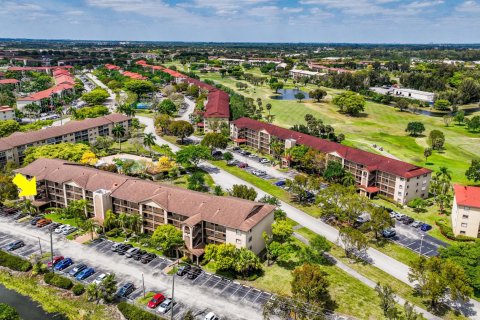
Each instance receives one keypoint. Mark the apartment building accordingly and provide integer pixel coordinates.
(466, 211)
(374, 174)
(203, 218)
(7, 113)
(299, 74)
(13, 146)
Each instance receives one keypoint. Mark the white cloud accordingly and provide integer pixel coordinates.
(469, 7)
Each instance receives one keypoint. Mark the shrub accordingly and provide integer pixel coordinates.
(8, 312)
(448, 232)
(78, 289)
(115, 232)
(14, 262)
(57, 280)
(131, 312)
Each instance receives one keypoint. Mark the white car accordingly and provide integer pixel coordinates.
(61, 228)
(252, 155)
(265, 161)
(68, 230)
(100, 278)
(165, 306)
(211, 316)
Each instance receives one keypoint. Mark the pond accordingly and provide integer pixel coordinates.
(433, 113)
(143, 105)
(26, 307)
(288, 94)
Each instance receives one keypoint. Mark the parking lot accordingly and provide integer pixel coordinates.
(205, 285)
(411, 238)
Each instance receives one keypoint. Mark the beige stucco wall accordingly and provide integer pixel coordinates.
(258, 244)
(465, 220)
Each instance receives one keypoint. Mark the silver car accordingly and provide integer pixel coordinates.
(165, 306)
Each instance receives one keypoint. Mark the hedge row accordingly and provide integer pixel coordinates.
(78, 289)
(448, 232)
(57, 280)
(14, 262)
(131, 312)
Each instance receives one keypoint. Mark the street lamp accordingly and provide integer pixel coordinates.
(173, 288)
(421, 244)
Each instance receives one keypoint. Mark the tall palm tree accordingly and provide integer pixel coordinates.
(123, 220)
(27, 207)
(130, 111)
(110, 220)
(268, 106)
(149, 141)
(90, 225)
(348, 179)
(119, 132)
(59, 112)
(444, 174)
(135, 223)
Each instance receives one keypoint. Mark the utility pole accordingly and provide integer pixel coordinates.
(51, 250)
(40, 245)
(143, 285)
(173, 292)
(421, 244)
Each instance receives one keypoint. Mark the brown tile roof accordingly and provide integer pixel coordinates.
(227, 211)
(370, 160)
(23, 138)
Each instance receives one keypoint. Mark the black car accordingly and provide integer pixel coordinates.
(123, 248)
(217, 154)
(53, 226)
(138, 255)
(184, 269)
(407, 220)
(125, 290)
(146, 258)
(35, 220)
(193, 273)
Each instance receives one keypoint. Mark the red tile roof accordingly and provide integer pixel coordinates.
(36, 68)
(9, 81)
(370, 160)
(467, 196)
(134, 75)
(47, 93)
(6, 109)
(112, 67)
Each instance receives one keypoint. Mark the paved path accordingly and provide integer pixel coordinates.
(378, 259)
(365, 280)
(191, 107)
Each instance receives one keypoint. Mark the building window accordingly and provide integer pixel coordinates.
(239, 241)
(467, 208)
(465, 216)
(250, 239)
(250, 247)
(462, 232)
(464, 225)
(399, 193)
(239, 232)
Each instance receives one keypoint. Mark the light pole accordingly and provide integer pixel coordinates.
(51, 250)
(40, 245)
(173, 289)
(421, 244)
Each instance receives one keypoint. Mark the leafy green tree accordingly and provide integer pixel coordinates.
(379, 220)
(140, 87)
(215, 140)
(218, 191)
(94, 292)
(188, 315)
(387, 301)
(89, 225)
(227, 156)
(442, 104)
(270, 200)
(8, 190)
(168, 238)
(459, 117)
(243, 192)
(473, 124)
(438, 279)
(427, 152)
(149, 142)
(181, 129)
(418, 204)
(402, 104)
(334, 171)
(162, 122)
(310, 285)
(119, 132)
(103, 142)
(167, 107)
(415, 128)
(409, 312)
(246, 262)
(350, 103)
(279, 214)
(7, 127)
(436, 139)
(229, 258)
(8, 312)
(108, 288)
(275, 86)
(281, 231)
(64, 151)
(318, 94)
(353, 240)
(196, 181)
(314, 253)
(473, 172)
(299, 96)
(193, 154)
(96, 96)
(447, 119)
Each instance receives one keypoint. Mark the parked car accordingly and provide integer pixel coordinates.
(43, 222)
(147, 258)
(35, 220)
(280, 183)
(264, 161)
(84, 274)
(232, 163)
(156, 300)
(183, 269)
(53, 226)
(399, 216)
(417, 224)
(407, 220)
(165, 306)
(61, 228)
(236, 148)
(123, 249)
(242, 165)
(193, 273)
(130, 252)
(65, 263)
(125, 290)
(217, 154)
(115, 246)
(55, 261)
(77, 269)
(425, 227)
(69, 230)
(15, 245)
(389, 233)
(259, 172)
(138, 255)
(99, 279)
(211, 316)
(252, 155)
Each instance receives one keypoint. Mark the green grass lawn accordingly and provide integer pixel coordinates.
(380, 124)
(55, 217)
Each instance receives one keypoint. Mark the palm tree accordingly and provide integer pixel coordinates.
(123, 220)
(130, 111)
(119, 132)
(444, 174)
(135, 222)
(110, 220)
(59, 112)
(268, 106)
(90, 225)
(149, 141)
(28, 207)
(348, 179)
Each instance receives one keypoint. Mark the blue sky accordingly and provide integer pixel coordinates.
(358, 21)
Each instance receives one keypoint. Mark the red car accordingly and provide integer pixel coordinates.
(156, 300)
(56, 260)
(242, 165)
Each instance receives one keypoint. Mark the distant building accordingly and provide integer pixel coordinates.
(144, 55)
(405, 93)
(12, 147)
(7, 113)
(373, 173)
(298, 74)
(466, 211)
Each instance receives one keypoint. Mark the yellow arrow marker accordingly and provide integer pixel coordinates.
(28, 187)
